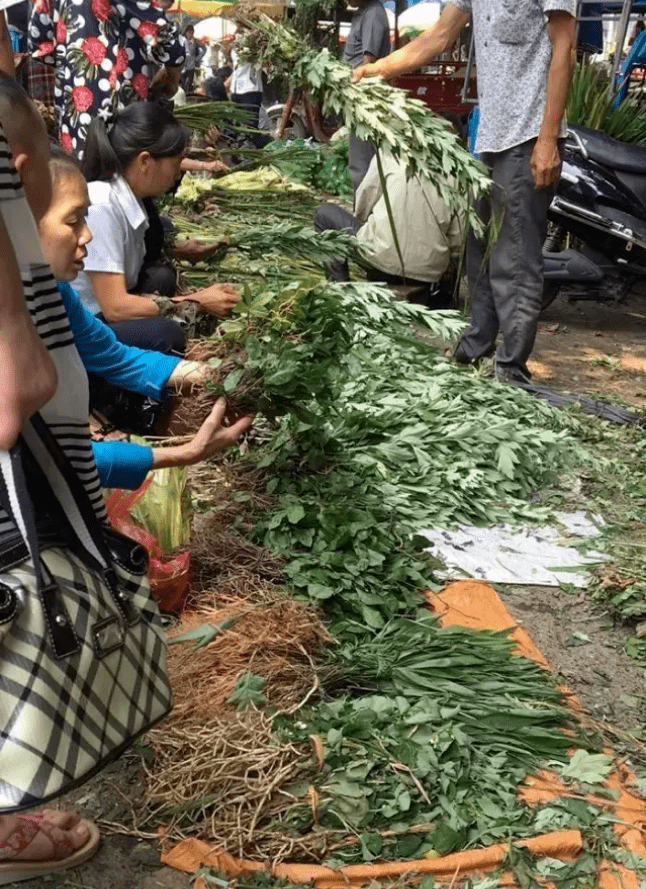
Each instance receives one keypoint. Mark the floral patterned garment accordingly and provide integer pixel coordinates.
(105, 53)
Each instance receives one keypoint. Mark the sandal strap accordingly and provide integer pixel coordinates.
(26, 830)
(20, 837)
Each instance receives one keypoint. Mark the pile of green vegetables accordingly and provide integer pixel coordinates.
(589, 105)
(369, 436)
(372, 436)
(326, 168)
(432, 730)
(377, 437)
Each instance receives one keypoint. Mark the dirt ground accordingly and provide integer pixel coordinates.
(584, 347)
(594, 348)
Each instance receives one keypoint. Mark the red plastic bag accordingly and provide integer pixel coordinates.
(170, 577)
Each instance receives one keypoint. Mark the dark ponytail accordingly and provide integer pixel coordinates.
(142, 126)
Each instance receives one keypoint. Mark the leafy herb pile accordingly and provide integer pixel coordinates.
(326, 168)
(201, 116)
(383, 438)
(370, 435)
(379, 437)
(285, 237)
(441, 744)
(590, 106)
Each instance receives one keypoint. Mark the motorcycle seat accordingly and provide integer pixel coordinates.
(611, 152)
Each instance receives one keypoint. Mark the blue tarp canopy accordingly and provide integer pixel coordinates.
(616, 6)
(590, 34)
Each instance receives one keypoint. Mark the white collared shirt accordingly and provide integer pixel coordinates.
(246, 78)
(118, 222)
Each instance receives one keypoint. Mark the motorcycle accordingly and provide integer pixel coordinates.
(596, 243)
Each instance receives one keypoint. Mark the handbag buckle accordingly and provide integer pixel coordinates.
(107, 636)
(60, 628)
(8, 603)
(122, 600)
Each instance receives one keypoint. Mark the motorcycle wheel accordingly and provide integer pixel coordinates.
(295, 128)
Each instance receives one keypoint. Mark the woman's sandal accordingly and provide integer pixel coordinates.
(27, 827)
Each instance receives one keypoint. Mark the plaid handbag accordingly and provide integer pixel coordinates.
(82, 650)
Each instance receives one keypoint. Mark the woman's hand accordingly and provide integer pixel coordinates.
(189, 374)
(192, 165)
(193, 250)
(211, 438)
(219, 299)
(216, 166)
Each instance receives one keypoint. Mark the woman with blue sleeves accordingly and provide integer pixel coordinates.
(64, 237)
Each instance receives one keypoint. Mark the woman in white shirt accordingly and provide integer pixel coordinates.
(128, 161)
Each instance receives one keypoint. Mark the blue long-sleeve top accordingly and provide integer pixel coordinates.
(121, 464)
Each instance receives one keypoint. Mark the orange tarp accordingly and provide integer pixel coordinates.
(476, 605)
(192, 854)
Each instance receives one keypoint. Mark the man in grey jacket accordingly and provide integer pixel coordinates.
(526, 54)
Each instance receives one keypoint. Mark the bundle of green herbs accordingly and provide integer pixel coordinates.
(325, 169)
(589, 105)
(372, 108)
(369, 436)
(424, 752)
(284, 237)
(201, 116)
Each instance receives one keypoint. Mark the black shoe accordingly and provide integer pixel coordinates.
(461, 356)
(514, 376)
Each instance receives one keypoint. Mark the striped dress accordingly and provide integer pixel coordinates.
(67, 413)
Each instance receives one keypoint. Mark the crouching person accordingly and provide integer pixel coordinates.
(428, 232)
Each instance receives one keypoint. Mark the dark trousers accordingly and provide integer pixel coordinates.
(187, 77)
(507, 286)
(332, 217)
(253, 101)
(360, 154)
(157, 277)
(157, 334)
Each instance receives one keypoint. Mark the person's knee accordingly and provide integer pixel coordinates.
(320, 218)
(331, 217)
(169, 336)
(158, 278)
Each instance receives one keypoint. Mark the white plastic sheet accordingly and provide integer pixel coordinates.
(507, 554)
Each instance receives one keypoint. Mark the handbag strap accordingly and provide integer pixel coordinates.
(77, 509)
(16, 501)
(67, 490)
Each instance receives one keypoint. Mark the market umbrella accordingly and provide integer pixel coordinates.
(420, 16)
(214, 28)
(208, 8)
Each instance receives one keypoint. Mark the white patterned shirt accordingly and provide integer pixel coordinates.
(513, 54)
